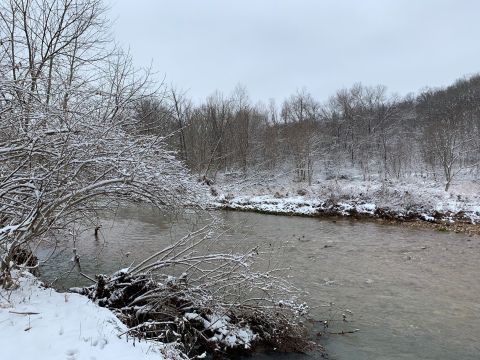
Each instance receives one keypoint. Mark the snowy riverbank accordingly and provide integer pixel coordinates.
(40, 323)
(399, 201)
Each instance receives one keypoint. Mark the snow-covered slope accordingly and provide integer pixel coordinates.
(39, 323)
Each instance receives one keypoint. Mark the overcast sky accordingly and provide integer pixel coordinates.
(274, 47)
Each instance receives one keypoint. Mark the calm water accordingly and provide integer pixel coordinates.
(414, 294)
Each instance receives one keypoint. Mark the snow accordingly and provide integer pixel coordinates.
(224, 331)
(427, 217)
(65, 326)
(366, 208)
(269, 203)
(298, 205)
(401, 198)
(9, 229)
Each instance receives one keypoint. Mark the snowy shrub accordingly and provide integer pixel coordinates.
(69, 136)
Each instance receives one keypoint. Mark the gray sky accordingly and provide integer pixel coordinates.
(274, 47)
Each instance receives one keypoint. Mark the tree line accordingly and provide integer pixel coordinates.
(434, 134)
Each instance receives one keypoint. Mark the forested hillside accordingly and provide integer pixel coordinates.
(362, 130)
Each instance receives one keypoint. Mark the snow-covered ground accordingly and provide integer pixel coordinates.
(414, 198)
(40, 323)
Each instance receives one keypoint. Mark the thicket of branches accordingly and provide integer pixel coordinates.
(69, 139)
(435, 134)
(207, 301)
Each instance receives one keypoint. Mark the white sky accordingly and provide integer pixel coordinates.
(274, 47)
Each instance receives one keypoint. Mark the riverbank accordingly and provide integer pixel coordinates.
(118, 318)
(413, 203)
(40, 323)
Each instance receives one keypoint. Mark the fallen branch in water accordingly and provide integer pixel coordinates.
(205, 302)
(343, 332)
(24, 312)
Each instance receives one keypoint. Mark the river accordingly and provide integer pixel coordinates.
(412, 293)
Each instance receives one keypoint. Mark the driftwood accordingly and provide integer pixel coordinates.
(344, 332)
(166, 312)
(24, 312)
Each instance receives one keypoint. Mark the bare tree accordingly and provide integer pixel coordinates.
(68, 138)
(181, 110)
(449, 132)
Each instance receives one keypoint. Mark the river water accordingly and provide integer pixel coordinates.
(412, 293)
